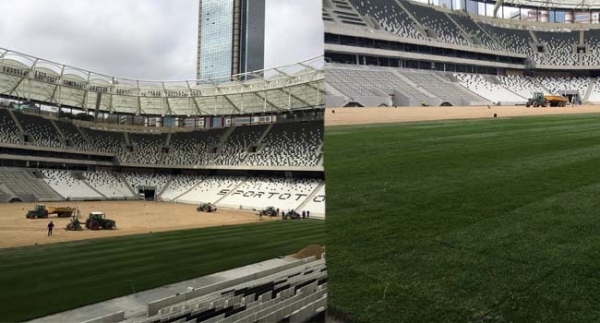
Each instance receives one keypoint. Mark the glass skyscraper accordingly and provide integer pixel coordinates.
(231, 37)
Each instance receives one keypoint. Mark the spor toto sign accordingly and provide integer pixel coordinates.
(272, 195)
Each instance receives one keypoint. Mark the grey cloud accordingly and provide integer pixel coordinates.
(149, 39)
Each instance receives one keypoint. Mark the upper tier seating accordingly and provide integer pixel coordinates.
(511, 40)
(147, 148)
(105, 141)
(472, 28)
(559, 48)
(220, 147)
(389, 15)
(41, 129)
(234, 149)
(70, 131)
(191, 148)
(8, 129)
(592, 39)
(445, 29)
(290, 144)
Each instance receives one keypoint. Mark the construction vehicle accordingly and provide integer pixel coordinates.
(292, 215)
(541, 100)
(74, 225)
(269, 211)
(206, 207)
(97, 220)
(37, 213)
(41, 211)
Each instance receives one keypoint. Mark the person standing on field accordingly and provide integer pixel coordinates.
(50, 227)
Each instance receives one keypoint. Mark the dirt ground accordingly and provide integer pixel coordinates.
(132, 217)
(349, 116)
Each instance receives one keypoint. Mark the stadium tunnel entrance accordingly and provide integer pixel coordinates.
(147, 193)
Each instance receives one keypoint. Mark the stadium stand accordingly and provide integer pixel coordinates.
(595, 94)
(390, 16)
(592, 39)
(105, 141)
(136, 180)
(72, 134)
(256, 192)
(296, 292)
(179, 185)
(9, 132)
(443, 27)
(108, 184)
(290, 144)
(147, 148)
(191, 148)
(472, 28)
(559, 48)
(41, 130)
(490, 88)
(221, 146)
(511, 40)
(70, 186)
(208, 189)
(523, 86)
(26, 186)
(234, 150)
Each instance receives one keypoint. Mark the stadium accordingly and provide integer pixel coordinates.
(405, 53)
(462, 184)
(175, 177)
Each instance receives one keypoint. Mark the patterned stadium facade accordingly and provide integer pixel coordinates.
(251, 144)
(406, 53)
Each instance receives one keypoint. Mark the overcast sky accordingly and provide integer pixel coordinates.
(146, 39)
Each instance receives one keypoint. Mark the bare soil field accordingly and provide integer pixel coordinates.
(132, 217)
(349, 116)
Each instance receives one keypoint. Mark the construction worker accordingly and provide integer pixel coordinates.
(50, 227)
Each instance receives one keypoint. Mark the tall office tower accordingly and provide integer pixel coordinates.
(231, 38)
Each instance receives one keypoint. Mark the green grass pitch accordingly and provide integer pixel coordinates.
(41, 280)
(465, 221)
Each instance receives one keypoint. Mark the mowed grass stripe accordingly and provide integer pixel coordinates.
(74, 274)
(111, 255)
(457, 225)
(30, 254)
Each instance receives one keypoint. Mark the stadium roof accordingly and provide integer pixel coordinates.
(283, 88)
